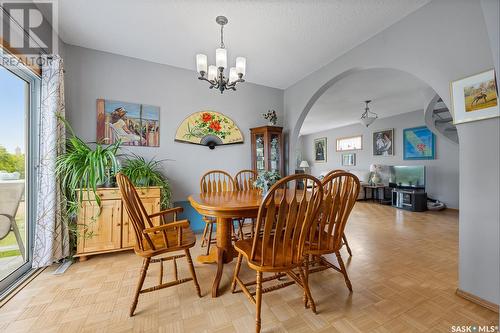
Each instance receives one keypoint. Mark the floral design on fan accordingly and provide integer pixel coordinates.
(209, 123)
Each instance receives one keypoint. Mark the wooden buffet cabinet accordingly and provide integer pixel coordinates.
(267, 149)
(110, 231)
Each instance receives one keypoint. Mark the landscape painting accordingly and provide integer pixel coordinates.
(480, 95)
(475, 98)
(419, 143)
(132, 123)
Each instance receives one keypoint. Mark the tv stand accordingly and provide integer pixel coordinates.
(414, 200)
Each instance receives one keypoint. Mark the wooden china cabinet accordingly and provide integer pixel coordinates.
(267, 149)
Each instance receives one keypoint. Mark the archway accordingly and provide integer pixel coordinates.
(294, 135)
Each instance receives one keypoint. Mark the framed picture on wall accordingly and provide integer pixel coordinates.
(383, 142)
(475, 98)
(348, 159)
(133, 124)
(419, 143)
(320, 150)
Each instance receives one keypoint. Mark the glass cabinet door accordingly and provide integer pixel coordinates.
(274, 158)
(260, 159)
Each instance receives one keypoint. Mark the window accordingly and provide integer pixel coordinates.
(350, 143)
(19, 97)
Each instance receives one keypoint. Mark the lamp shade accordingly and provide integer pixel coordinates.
(201, 63)
(367, 121)
(221, 58)
(304, 164)
(212, 72)
(241, 64)
(232, 75)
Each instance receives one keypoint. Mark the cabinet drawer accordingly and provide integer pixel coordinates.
(114, 193)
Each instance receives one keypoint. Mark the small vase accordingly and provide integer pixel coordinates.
(264, 190)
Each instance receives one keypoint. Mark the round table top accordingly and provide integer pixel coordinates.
(227, 204)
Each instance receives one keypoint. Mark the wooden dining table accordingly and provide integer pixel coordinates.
(224, 207)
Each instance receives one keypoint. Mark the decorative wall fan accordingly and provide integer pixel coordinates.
(208, 128)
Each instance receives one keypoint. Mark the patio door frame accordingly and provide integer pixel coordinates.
(31, 128)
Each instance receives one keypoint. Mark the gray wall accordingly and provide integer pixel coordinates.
(93, 74)
(441, 173)
(441, 42)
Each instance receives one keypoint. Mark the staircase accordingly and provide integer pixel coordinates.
(438, 118)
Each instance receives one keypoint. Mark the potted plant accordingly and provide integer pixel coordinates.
(271, 117)
(265, 180)
(144, 173)
(86, 167)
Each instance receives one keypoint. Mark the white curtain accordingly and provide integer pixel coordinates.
(51, 233)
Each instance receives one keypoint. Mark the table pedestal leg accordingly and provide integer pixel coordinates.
(223, 253)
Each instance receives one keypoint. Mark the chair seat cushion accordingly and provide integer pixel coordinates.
(188, 241)
(283, 260)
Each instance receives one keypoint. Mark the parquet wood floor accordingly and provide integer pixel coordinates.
(403, 271)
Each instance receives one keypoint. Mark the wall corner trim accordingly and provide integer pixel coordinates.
(478, 300)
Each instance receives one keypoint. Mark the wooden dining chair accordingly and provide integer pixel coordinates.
(214, 181)
(283, 222)
(153, 242)
(325, 235)
(244, 181)
(344, 238)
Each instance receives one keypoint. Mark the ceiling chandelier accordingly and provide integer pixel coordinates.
(368, 117)
(215, 75)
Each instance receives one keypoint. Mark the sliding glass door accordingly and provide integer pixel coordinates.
(19, 100)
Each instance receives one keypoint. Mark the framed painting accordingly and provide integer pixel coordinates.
(350, 143)
(383, 142)
(208, 128)
(349, 159)
(132, 123)
(419, 143)
(320, 150)
(475, 98)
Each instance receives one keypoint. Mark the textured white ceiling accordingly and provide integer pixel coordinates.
(283, 41)
(392, 92)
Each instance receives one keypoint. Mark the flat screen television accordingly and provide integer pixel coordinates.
(411, 176)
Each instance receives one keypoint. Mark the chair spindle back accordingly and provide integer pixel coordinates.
(341, 190)
(285, 216)
(137, 213)
(216, 181)
(244, 180)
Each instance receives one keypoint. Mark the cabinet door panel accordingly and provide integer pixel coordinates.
(100, 231)
(152, 205)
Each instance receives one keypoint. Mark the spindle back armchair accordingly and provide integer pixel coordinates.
(153, 241)
(283, 222)
(214, 181)
(244, 180)
(325, 236)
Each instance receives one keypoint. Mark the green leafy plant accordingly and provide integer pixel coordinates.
(146, 173)
(86, 168)
(266, 179)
